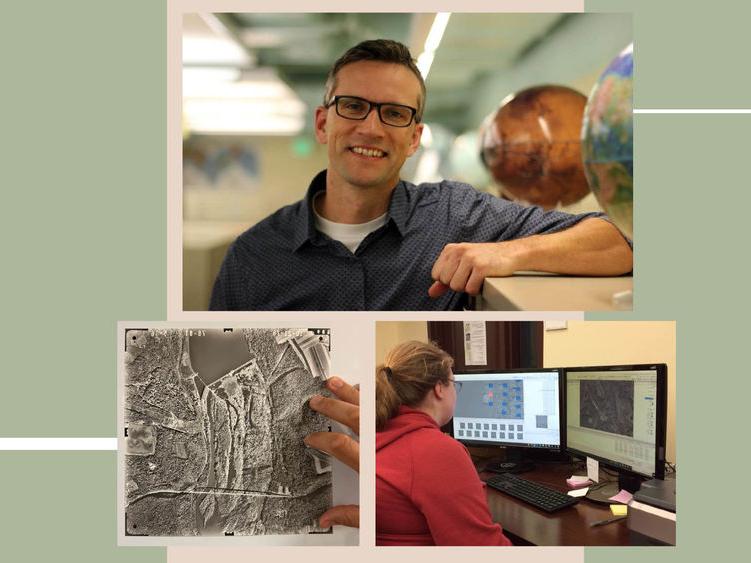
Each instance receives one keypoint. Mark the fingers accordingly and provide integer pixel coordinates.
(346, 413)
(455, 266)
(474, 284)
(446, 264)
(341, 446)
(464, 267)
(343, 390)
(344, 409)
(344, 515)
(437, 289)
(463, 272)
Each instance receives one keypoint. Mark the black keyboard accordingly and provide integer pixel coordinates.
(535, 494)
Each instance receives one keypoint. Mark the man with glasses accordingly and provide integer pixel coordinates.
(362, 239)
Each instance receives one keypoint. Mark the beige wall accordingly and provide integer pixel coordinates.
(283, 179)
(214, 216)
(389, 334)
(595, 343)
(582, 343)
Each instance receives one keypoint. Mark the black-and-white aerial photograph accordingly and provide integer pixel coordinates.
(214, 421)
(607, 406)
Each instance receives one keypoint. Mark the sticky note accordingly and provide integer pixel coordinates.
(576, 481)
(623, 497)
(593, 469)
(619, 509)
(578, 492)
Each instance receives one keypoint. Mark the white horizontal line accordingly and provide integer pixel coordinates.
(692, 110)
(58, 443)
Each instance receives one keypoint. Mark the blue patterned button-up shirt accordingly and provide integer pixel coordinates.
(284, 263)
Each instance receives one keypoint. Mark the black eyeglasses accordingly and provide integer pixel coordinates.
(352, 107)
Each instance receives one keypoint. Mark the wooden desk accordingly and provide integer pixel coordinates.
(526, 525)
(542, 292)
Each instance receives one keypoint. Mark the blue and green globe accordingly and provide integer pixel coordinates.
(608, 140)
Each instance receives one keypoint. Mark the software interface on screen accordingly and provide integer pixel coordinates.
(613, 415)
(508, 408)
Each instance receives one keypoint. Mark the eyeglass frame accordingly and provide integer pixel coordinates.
(457, 384)
(334, 102)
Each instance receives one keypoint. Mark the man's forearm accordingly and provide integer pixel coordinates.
(593, 247)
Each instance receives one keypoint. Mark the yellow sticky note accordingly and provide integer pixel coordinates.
(619, 509)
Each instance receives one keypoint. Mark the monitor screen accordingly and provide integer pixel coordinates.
(617, 415)
(509, 408)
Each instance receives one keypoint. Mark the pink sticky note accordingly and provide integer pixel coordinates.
(623, 497)
(576, 481)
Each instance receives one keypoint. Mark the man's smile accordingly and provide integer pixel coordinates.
(369, 152)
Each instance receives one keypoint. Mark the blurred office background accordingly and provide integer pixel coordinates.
(251, 83)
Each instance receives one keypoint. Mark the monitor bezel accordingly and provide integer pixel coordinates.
(499, 444)
(661, 423)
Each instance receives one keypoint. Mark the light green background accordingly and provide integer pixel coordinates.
(692, 198)
(83, 176)
(60, 507)
(83, 240)
(688, 54)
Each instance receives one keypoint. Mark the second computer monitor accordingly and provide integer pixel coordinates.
(618, 415)
(509, 408)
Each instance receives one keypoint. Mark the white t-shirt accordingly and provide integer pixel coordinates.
(349, 235)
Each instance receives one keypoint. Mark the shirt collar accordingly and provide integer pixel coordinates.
(305, 230)
(399, 207)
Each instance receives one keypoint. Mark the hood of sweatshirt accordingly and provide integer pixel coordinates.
(408, 420)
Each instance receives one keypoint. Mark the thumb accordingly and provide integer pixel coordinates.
(344, 515)
(437, 289)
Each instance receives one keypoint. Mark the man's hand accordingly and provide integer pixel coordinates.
(592, 247)
(345, 409)
(464, 266)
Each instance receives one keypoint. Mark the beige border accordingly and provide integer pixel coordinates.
(390, 554)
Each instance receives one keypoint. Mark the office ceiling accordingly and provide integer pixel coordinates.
(301, 48)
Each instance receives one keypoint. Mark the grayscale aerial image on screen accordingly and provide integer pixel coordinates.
(607, 406)
(214, 428)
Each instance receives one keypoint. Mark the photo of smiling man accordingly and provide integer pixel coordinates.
(364, 239)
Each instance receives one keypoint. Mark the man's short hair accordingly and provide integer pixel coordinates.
(382, 50)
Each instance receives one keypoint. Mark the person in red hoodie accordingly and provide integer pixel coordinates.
(427, 489)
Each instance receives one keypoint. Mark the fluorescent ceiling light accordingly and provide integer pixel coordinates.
(214, 51)
(273, 117)
(425, 60)
(436, 31)
(209, 74)
(212, 117)
(260, 103)
(244, 89)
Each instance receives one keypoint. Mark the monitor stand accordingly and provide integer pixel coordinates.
(513, 462)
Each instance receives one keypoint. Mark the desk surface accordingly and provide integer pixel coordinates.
(568, 526)
(540, 292)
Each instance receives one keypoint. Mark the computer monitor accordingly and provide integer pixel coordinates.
(618, 416)
(509, 408)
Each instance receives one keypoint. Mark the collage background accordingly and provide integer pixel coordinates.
(84, 241)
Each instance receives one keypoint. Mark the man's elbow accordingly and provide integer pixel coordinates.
(620, 256)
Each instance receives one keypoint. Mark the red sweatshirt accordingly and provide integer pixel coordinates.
(427, 489)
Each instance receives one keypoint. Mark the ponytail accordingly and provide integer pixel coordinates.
(409, 372)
